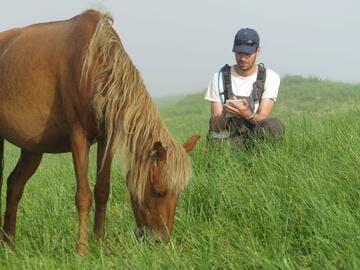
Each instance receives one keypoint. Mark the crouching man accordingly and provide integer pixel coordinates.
(242, 96)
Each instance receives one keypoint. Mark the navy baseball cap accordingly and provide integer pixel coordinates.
(246, 41)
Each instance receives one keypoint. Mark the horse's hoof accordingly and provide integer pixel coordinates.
(7, 241)
(8, 244)
(82, 249)
(107, 250)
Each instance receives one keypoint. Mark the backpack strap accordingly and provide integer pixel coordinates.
(259, 84)
(226, 79)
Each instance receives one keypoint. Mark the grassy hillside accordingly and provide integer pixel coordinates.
(298, 97)
(294, 205)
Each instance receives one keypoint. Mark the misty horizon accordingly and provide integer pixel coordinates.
(178, 46)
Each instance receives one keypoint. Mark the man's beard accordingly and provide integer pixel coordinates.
(245, 66)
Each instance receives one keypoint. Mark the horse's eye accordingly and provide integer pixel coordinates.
(159, 194)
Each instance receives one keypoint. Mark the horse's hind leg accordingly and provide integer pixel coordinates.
(101, 190)
(83, 198)
(1, 176)
(25, 168)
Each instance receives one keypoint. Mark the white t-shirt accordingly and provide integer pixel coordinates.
(243, 86)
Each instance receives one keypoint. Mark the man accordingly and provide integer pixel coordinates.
(243, 96)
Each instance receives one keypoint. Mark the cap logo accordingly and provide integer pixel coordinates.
(245, 42)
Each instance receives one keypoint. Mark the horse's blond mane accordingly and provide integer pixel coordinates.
(126, 113)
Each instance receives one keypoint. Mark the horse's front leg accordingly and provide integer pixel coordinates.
(83, 198)
(102, 187)
(25, 168)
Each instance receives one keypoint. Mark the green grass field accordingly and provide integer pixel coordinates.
(293, 205)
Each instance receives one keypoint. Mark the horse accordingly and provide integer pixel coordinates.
(66, 85)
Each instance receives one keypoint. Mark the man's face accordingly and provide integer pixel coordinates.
(246, 61)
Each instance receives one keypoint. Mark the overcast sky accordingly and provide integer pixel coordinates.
(177, 45)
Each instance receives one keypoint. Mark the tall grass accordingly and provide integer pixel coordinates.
(289, 205)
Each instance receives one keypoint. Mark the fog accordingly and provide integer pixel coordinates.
(177, 45)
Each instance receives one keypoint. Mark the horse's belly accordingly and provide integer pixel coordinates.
(37, 131)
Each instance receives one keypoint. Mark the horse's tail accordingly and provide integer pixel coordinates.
(1, 170)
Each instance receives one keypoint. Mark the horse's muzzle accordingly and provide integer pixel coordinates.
(139, 233)
(145, 232)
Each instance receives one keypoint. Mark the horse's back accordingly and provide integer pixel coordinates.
(40, 69)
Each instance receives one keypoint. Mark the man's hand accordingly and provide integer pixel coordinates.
(238, 107)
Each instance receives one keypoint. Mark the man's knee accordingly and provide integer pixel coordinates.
(272, 127)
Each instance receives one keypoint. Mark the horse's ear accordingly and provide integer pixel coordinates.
(158, 152)
(190, 143)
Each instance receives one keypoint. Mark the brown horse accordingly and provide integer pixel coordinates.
(68, 84)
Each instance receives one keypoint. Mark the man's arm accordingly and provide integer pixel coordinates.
(218, 121)
(266, 106)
